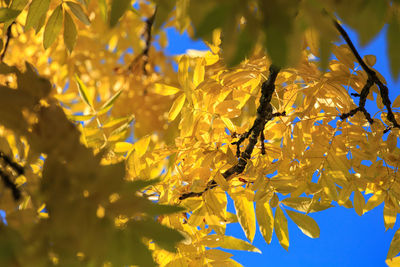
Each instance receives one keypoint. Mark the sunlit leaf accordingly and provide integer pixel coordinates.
(245, 211)
(83, 92)
(281, 228)
(306, 224)
(163, 89)
(176, 107)
(110, 101)
(141, 145)
(265, 219)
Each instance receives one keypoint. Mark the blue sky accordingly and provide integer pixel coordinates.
(346, 238)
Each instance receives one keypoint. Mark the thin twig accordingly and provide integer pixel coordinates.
(372, 79)
(148, 36)
(9, 36)
(6, 178)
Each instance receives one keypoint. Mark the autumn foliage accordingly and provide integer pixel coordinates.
(110, 155)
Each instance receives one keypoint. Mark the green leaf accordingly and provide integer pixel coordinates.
(110, 101)
(118, 8)
(306, 224)
(69, 32)
(164, 8)
(18, 4)
(83, 91)
(164, 237)
(244, 46)
(37, 10)
(214, 19)
(78, 12)
(53, 27)
(7, 14)
(157, 209)
(393, 43)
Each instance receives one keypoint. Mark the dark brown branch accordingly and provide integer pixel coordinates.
(6, 178)
(372, 79)
(264, 114)
(9, 184)
(19, 169)
(9, 36)
(148, 37)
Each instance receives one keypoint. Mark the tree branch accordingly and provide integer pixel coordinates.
(372, 79)
(6, 178)
(9, 36)
(264, 114)
(148, 36)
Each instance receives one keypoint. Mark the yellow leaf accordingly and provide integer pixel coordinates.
(163, 89)
(396, 102)
(216, 202)
(187, 124)
(394, 262)
(228, 242)
(244, 207)
(122, 147)
(220, 180)
(183, 70)
(228, 123)
(281, 228)
(306, 224)
(359, 202)
(389, 214)
(394, 248)
(329, 187)
(142, 145)
(176, 107)
(216, 254)
(345, 194)
(265, 219)
(228, 108)
(375, 201)
(198, 74)
(370, 60)
(84, 92)
(299, 203)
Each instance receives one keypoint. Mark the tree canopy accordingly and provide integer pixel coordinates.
(113, 153)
